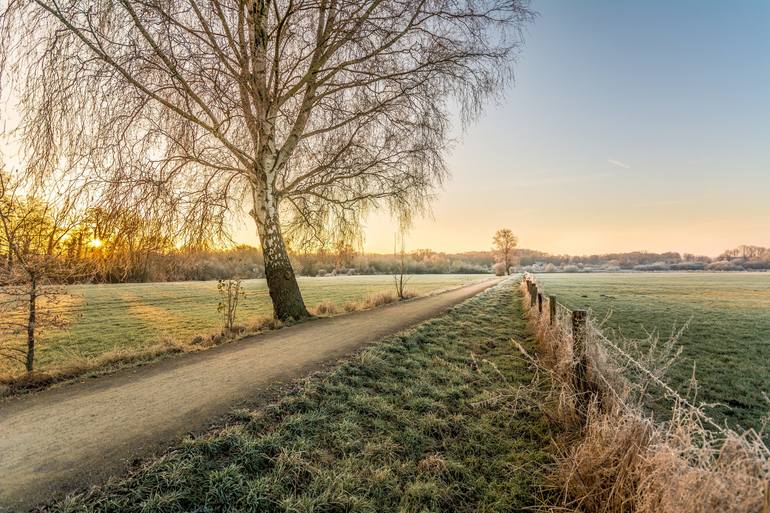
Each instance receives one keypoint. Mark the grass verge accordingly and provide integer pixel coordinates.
(411, 424)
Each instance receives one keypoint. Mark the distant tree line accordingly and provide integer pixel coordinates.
(742, 258)
(52, 236)
(42, 235)
(421, 261)
(94, 245)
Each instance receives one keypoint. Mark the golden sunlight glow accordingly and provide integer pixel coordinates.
(96, 243)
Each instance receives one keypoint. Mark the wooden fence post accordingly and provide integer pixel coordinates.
(551, 310)
(579, 335)
(533, 295)
(539, 303)
(766, 509)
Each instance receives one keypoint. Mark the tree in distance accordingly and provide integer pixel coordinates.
(504, 243)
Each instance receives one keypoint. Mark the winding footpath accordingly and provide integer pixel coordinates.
(77, 435)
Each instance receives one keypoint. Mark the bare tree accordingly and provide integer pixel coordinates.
(504, 243)
(400, 277)
(29, 304)
(306, 113)
(33, 277)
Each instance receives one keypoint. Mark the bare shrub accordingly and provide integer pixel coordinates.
(230, 294)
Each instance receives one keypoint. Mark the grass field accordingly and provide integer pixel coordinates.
(728, 338)
(126, 318)
(413, 424)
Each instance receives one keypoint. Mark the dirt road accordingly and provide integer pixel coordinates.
(67, 438)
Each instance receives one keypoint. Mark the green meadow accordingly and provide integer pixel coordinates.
(126, 318)
(727, 340)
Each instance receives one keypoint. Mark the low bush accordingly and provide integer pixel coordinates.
(724, 265)
(656, 266)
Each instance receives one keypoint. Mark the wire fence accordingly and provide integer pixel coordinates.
(572, 320)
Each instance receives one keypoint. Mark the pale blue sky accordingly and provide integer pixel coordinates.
(632, 125)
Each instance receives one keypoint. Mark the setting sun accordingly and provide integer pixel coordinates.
(96, 243)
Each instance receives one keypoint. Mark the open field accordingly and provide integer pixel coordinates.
(408, 425)
(728, 338)
(131, 318)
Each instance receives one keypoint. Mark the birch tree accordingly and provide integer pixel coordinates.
(304, 113)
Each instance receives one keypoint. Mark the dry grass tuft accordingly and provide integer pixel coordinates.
(433, 465)
(325, 309)
(265, 323)
(375, 300)
(619, 459)
(382, 298)
(80, 366)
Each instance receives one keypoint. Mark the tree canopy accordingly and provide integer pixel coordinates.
(305, 113)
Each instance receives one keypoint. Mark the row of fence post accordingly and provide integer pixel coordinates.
(579, 334)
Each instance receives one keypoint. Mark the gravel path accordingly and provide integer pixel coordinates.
(73, 436)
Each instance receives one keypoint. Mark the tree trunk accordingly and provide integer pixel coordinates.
(10, 258)
(31, 321)
(281, 281)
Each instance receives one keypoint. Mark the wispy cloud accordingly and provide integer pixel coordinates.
(618, 163)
